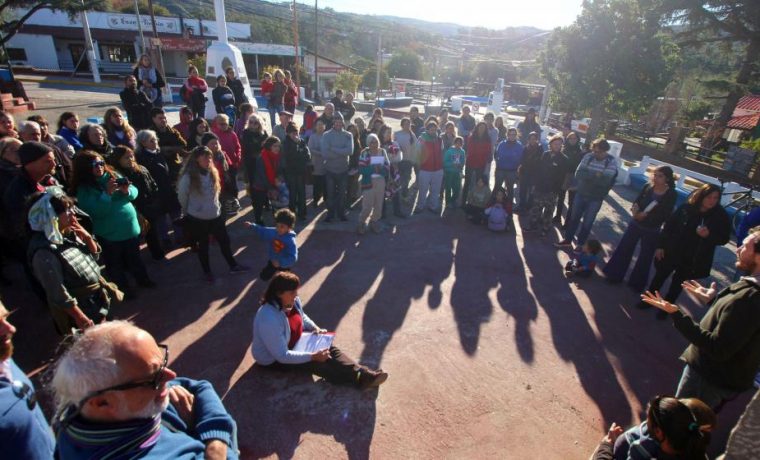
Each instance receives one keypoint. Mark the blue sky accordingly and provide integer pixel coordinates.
(494, 14)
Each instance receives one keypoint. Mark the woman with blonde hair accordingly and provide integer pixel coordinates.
(118, 130)
(198, 190)
(143, 71)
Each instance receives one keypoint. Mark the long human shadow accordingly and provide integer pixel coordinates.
(477, 263)
(402, 282)
(278, 408)
(573, 338)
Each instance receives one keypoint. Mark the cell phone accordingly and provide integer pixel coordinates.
(122, 181)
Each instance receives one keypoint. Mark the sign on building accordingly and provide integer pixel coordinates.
(129, 22)
(739, 160)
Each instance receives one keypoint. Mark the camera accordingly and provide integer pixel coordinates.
(122, 181)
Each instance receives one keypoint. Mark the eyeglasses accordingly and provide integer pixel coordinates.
(98, 163)
(154, 382)
(22, 390)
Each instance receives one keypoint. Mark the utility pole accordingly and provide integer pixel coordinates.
(139, 27)
(379, 64)
(160, 63)
(316, 51)
(90, 48)
(295, 41)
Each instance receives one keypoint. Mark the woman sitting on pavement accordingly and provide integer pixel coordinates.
(64, 258)
(280, 322)
(68, 127)
(650, 210)
(118, 129)
(107, 198)
(686, 247)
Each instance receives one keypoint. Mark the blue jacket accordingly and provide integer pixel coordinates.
(509, 155)
(271, 335)
(283, 248)
(177, 440)
(24, 432)
(71, 137)
(749, 222)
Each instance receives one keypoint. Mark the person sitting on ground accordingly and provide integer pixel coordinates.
(283, 250)
(117, 398)
(280, 322)
(136, 104)
(477, 200)
(198, 191)
(64, 258)
(95, 139)
(499, 212)
(671, 431)
(68, 128)
(118, 129)
(724, 352)
(24, 430)
(583, 264)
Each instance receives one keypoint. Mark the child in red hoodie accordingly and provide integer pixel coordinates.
(265, 176)
(230, 145)
(196, 88)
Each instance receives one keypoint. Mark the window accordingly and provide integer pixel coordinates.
(119, 53)
(16, 54)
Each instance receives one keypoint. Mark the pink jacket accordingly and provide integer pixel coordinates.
(229, 142)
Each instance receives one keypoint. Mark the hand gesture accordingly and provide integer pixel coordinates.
(659, 254)
(321, 355)
(112, 186)
(124, 188)
(319, 330)
(703, 231)
(699, 292)
(182, 400)
(78, 230)
(656, 300)
(613, 433)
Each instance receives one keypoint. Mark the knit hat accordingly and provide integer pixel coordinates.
(338, 117)
(208, 137)
(31, 151)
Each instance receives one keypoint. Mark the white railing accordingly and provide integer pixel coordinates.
(729, 188)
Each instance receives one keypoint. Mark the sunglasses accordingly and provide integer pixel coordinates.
(98, 163)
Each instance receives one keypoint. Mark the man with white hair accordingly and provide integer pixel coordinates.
(30, 131)
(118, 399)
(24, 430)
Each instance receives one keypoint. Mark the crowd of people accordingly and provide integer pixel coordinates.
(77, 203)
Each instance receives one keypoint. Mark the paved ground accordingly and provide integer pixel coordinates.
(492, 353)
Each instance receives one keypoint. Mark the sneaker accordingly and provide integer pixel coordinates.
(239, 268)
(563, 244)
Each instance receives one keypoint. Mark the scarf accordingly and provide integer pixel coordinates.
(112, 441)
(43, 218)
(147, 74)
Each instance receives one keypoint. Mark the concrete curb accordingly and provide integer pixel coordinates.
(55, 81)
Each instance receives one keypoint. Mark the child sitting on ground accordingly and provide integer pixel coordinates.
(477, 200)
(283, 252)
(499, 212)
(279, 198)
(583, 264)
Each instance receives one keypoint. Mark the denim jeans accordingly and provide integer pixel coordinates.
(336, 193)
(509, 179)
(693, 385)
(586, 209)
(273, 114)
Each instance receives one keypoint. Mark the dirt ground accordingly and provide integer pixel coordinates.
(492, 352)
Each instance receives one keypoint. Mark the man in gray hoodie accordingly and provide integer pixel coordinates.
(337, 146)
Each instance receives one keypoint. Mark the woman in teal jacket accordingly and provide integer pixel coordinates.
(107, 198)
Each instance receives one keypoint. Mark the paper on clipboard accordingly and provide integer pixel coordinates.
(379, 160)
(311, 342)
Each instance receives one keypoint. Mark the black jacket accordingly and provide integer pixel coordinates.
(156, 165)
(251, 150)
(725, 345)
(687, 250)
(137, 106)
(552, 173)
(295, 157)
(148, 202)
(238, 90)
(660, 213)
(15, 205)
(223, 97)
(531, 161)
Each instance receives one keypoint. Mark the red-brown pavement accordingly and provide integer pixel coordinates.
(492, 352)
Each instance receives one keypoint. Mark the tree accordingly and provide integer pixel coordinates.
(24, 9)
(722, 21)
(369, 78)
(347, 81)
(614, 57)
(405, 64)
(158, 10)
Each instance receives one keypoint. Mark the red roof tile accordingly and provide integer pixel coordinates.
(744, 122)
(749, 102)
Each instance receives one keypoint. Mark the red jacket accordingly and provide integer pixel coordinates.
(431, 155)
(479, 152)
(266, 88)
(291, 94)
(271, 165)
(230, 143)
